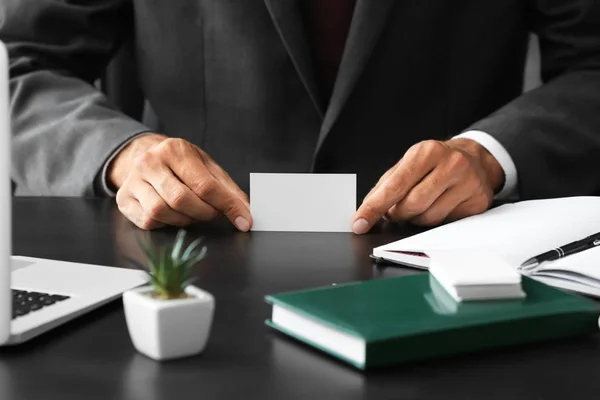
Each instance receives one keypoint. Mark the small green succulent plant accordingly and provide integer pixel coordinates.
(170, 267)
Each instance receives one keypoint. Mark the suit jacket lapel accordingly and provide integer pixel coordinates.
(367, 23)
(287, 17)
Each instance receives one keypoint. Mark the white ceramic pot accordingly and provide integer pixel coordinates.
(166, 329)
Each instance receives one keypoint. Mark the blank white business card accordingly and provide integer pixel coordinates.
(302, 202)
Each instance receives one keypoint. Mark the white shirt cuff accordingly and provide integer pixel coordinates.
(103, 178)
(509, 190)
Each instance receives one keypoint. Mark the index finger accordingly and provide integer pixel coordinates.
(413, 167)
(194, 174)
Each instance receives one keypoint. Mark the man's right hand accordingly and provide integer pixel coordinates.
(165, 181)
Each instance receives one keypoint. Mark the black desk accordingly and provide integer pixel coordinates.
(93, 358)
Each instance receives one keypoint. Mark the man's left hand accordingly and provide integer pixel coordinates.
(433, 183)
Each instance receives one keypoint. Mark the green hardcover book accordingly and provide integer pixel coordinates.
(389, 321)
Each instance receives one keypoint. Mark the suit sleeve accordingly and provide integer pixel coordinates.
(553, 133)
(64, 129)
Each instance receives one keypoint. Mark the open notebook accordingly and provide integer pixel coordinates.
(517, 232)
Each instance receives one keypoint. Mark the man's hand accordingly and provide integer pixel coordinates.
(434, 182)
(164, 181)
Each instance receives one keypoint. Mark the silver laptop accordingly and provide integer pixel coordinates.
(35, 294)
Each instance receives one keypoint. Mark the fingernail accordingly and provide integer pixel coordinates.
(360, 226)
(242, 224)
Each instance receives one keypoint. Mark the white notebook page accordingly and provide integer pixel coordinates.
(516, 231)
(583, 266)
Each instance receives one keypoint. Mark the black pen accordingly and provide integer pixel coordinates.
(563, 251)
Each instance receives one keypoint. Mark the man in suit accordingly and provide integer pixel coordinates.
(422, 99)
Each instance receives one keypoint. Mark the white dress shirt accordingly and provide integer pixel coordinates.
(509, 190)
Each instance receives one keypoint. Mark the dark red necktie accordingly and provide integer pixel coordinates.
(327, 24)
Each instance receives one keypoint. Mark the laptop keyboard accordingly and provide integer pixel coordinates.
(25, 302)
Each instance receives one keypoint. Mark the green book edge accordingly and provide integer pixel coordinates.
(274, 301)
(302, 339)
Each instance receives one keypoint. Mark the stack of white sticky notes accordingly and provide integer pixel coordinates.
(474, 274)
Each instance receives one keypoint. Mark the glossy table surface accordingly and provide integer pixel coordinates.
(93, 358)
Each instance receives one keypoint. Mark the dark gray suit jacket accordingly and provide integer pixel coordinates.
(235, 77)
